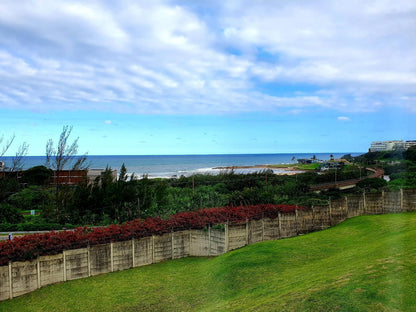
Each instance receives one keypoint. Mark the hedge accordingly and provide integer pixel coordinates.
(31, 246)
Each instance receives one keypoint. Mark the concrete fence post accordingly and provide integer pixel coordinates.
(296, 222)
(364, 204)
(190, 243)
(64, 264)
(89, 260)
(171, 241)
(10, 280)
(347, 210)
(226, 237)
(247, 232)
(383, 209)
(330, 212)
(209, 240)
(132, 251)
(401, 200)
(38, 269)
(153, 249)
(112, 257)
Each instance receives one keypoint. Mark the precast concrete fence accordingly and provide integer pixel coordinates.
(18, 278)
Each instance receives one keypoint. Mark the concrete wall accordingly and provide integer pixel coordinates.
(76, 263)
(181, 244)
(5, 289)
(51, 269)
(143, 251)
(19, 278)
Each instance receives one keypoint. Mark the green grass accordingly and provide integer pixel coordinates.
(364, 264)
(313, 166)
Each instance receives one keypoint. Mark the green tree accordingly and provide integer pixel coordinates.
(9, 214)
(38, 175)
(58, 158)
(410, 153)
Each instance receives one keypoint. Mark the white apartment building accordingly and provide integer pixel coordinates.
(381, 146)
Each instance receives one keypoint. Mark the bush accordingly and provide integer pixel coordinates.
(10, 214)
(31, 246)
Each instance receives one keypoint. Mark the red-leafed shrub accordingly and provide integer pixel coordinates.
(31, 246)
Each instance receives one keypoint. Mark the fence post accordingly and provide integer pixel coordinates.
(280, 224)
(38, 270)
(347, 210)
(296, 221)
(89, 260)
(112, 257)
(226, 237)
(64, 264)
(330, 212)
(132, 250)
(190, 243)
(153, 249)
(10, 280)
(209, 240)
(383, 209)
(171, 240)
(364, 204)
(262, 228)
(401, 200)
(246, 231)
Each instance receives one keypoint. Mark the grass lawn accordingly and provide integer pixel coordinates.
(364, 264)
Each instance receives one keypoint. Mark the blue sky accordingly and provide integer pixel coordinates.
(193, 77)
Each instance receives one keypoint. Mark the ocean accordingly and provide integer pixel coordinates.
(167, 166)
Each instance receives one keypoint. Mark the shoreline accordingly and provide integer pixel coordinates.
(285, 169)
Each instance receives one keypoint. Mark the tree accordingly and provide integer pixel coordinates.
(411, 153)
(64, 154)
(123, 173)
(38, 175)
(17, 161)
(6, 145)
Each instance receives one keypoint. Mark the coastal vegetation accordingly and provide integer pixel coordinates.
(36, 199)
(364, 264)
(113, 201)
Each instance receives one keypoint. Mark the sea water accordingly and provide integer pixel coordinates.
(166, 166)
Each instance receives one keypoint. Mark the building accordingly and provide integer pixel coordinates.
(382, 146)
(75, 177)
(2, 165)
(409, 143)
(68, 177)
(93, 174)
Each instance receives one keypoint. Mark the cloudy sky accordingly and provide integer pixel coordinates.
(208, 77)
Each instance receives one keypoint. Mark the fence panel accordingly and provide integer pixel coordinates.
(4, 283)
(409, 200)
(100, 259)
(122, 255)
(51, 269)
(237, 236)
(181, 244)
(271, 229)
(24, 277)
(76, 263)
(143, 251)
(162, 247)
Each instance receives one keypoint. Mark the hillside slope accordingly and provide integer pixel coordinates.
(364, 264)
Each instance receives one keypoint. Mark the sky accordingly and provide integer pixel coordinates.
(207, 77)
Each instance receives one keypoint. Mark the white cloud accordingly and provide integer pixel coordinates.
(108, 122)
(182, 57)
(343, 118)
